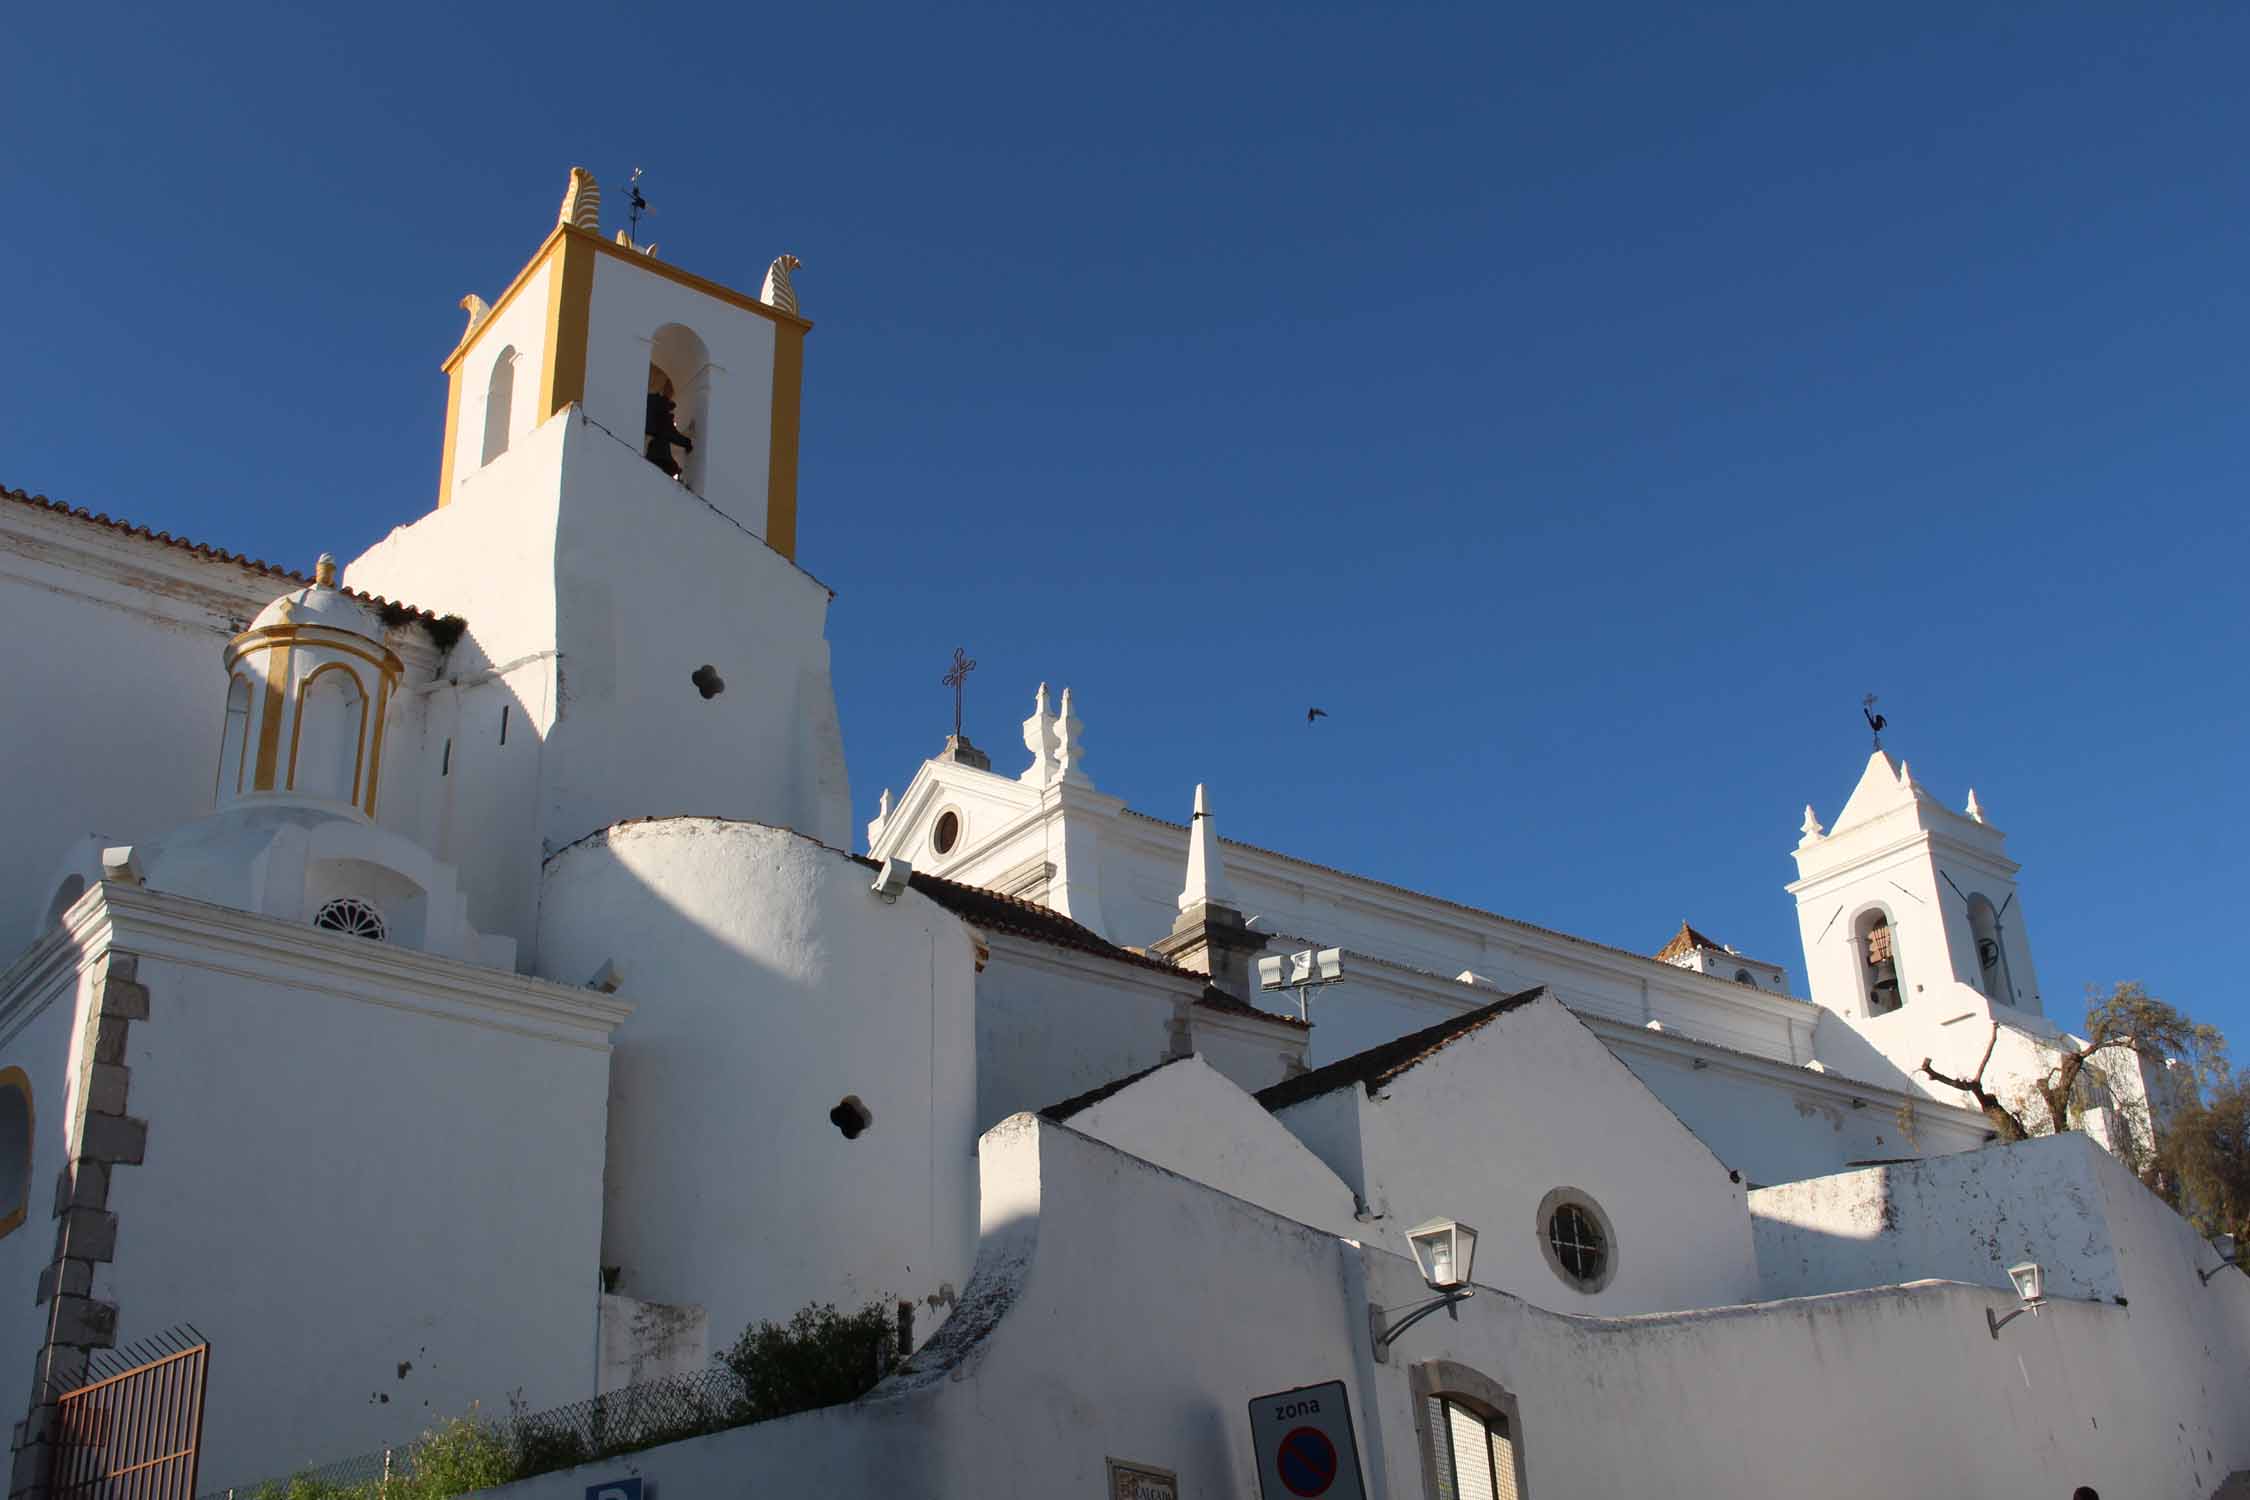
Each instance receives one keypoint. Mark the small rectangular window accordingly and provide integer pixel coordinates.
(503, 723)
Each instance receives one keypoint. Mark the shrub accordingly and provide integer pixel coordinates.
(822, 1358)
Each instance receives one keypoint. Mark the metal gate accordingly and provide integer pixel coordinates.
(135, 1434)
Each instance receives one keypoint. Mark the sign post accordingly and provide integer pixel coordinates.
(1306, 1447)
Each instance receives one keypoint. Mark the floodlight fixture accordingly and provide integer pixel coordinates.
(892, 878)
(1304, 971)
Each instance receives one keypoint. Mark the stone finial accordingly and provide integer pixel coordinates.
(1039, 739)
(626, 240)
(324, 571)
(1070, 746)
(883, 805)
(582, 202)
(1975, 809)
(1206, 869)
(1811, 827)
(779, 292)
(1905, 774)
(478, 310)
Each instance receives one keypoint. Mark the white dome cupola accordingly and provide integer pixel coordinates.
(308, 691)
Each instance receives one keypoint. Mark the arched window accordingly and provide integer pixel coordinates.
(1742, 976)
(331, 716)
(679, 404)
(234, 737)
(1875, 945)
(1470, 1438)
(15, 1148)
(499, 404)
(1991, 950)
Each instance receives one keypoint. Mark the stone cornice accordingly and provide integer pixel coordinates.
(173, 929)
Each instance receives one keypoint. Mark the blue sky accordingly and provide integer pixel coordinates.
(1585, 405)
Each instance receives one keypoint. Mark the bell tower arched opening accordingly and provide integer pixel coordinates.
(1875, 941)
(331, 724)
(499, 404)
(679, 404)
(1990, 948)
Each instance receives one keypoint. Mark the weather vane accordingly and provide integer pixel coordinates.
(957, 678)
(636, 205)
(1875, 721)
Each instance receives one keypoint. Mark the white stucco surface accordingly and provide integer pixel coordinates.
(1053, 1023)
(474, 1103)
(769, 983)
(1965, 1218)
(1188, 1118)
(1027, 1390)
(1484, 1129)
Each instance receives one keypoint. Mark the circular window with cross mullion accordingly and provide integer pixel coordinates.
(1577, 1240)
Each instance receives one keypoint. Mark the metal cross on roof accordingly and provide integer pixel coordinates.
(957, 678)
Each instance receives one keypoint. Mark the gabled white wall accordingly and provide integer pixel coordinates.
(1187, 1118)
(1487, 1127)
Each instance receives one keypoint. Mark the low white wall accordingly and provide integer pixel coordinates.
(1966, 1217)
(1204, 1302)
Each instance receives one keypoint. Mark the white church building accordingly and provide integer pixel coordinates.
(448, 979)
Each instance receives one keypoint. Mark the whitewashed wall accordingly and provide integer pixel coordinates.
(630, 303)
(1207, 1302)
(521, 326)
(372, 1180)
(1965, 1218)
(43, 999)
(1053, 1023)
(769, 983)
(1487, 1127)
(1188, 1118)
(595, 588)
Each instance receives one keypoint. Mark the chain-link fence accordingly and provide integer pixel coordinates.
(623, 1421)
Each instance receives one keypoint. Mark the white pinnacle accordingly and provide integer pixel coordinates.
(1039, 739)
(1975, 810)
(1206, 869)
(1811, 827)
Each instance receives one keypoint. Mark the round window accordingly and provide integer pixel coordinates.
(352, 917)
(1576, 1237)
(947, 833)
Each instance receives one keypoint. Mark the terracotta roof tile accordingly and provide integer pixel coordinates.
(393, 612)
(1379, 1065)
(1020, 918)
(1214, 998)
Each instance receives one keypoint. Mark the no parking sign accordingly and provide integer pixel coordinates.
(1306, 1450)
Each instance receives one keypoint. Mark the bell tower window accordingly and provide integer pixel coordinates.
(675, 433)
(499, 403)
(1877, 942)
(331, 718)
(1991, 950)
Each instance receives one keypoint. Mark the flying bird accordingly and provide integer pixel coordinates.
(1315, 713)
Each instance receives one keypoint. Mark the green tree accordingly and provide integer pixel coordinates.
(2202, 1159)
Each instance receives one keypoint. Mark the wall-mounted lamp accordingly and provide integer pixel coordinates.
(2031, 1286)
(2228, 1256)
(1445, 1249)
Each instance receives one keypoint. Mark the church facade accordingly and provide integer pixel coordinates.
(429, 975)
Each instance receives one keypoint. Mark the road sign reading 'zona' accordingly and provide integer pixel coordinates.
(1306, 1450)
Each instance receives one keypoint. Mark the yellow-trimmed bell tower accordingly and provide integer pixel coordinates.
(704, 380)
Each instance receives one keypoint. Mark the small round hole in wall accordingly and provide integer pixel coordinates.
(707, 681)
(946, 833)
(850, 1117)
